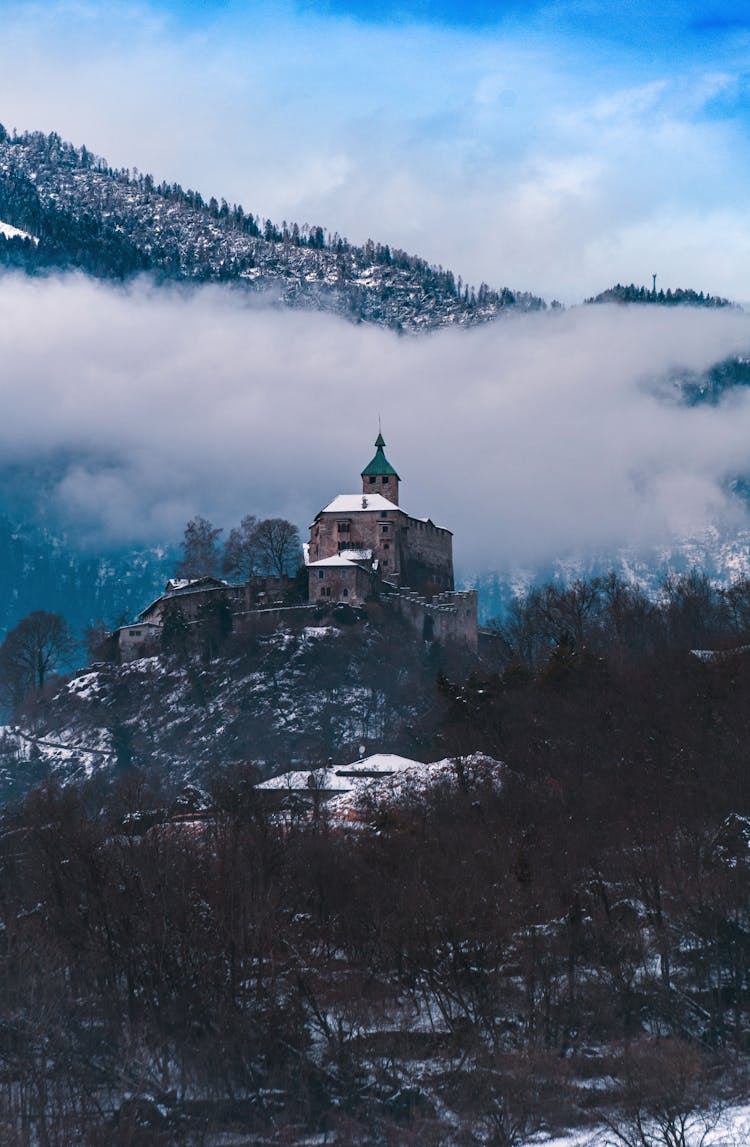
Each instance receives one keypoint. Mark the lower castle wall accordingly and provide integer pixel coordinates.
(450, 618)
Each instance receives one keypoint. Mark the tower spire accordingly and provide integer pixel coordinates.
(379, 477)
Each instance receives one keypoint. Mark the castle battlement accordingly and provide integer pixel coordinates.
(450, 617)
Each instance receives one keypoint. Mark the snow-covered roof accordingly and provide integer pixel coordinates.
(381, 763)
(342, 778)
(345, 558)
(359, 503)
(322, 780)
(409, 779)
(355, 503)
(177, 584)
(356, 555)
(383, 778)
(336, 560)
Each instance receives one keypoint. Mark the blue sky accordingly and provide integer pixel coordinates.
(553, 147)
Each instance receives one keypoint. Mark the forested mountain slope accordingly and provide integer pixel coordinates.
(80, 213)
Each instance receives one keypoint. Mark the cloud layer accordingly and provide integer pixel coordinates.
(530, 437)
(556, 152)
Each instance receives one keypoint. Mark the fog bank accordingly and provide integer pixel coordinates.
(529, 437)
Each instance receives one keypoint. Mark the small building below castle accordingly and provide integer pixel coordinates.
(364, 543)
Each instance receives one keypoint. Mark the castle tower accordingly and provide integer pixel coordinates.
(379, 477)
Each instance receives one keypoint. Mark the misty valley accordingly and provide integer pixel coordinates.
(346, 813)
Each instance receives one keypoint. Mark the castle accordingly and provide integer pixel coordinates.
(362, 544)
(363, 547)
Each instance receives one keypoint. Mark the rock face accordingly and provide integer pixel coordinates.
(80, 213)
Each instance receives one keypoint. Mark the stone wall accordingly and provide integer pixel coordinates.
(426, 556)
(138, 640)
(450, 618)
(341, 583)
(385, 484)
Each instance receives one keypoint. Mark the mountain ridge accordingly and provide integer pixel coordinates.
(113, 223)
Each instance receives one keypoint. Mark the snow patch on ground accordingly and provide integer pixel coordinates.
(732, 1129)
(15, 233)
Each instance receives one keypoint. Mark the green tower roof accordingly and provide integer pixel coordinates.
(379, 464)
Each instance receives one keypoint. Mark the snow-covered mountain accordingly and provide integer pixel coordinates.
(74, 211)
(724, 557)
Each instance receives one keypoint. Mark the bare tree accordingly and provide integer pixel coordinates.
(665, 1097)
(200, 552)
(278, 546)
(31, 651)
(240, 552)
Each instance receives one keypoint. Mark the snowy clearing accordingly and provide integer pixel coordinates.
(15, 233)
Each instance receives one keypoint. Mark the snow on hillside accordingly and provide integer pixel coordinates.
(727, 1128)
(138, 226)
(15, 232)
(408, 780)
(723, 556)
(280, 700)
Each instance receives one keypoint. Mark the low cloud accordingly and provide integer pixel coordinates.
(530, 437)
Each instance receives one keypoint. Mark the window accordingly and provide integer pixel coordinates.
(321, 574)
(386, 545)
(385, 481)
(384, 527)
(345, 592)
(372, 479)
(343, 527)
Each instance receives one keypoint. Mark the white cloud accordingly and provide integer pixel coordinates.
(526, 437)
(511, 156)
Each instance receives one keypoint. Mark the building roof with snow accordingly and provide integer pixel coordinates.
(357, 503)
(339, 779)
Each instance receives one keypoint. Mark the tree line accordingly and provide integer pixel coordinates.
(258, 546)
(681, 296)
(564, 938)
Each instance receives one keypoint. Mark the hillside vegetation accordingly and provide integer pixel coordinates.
(81, 213)
(560, 941)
